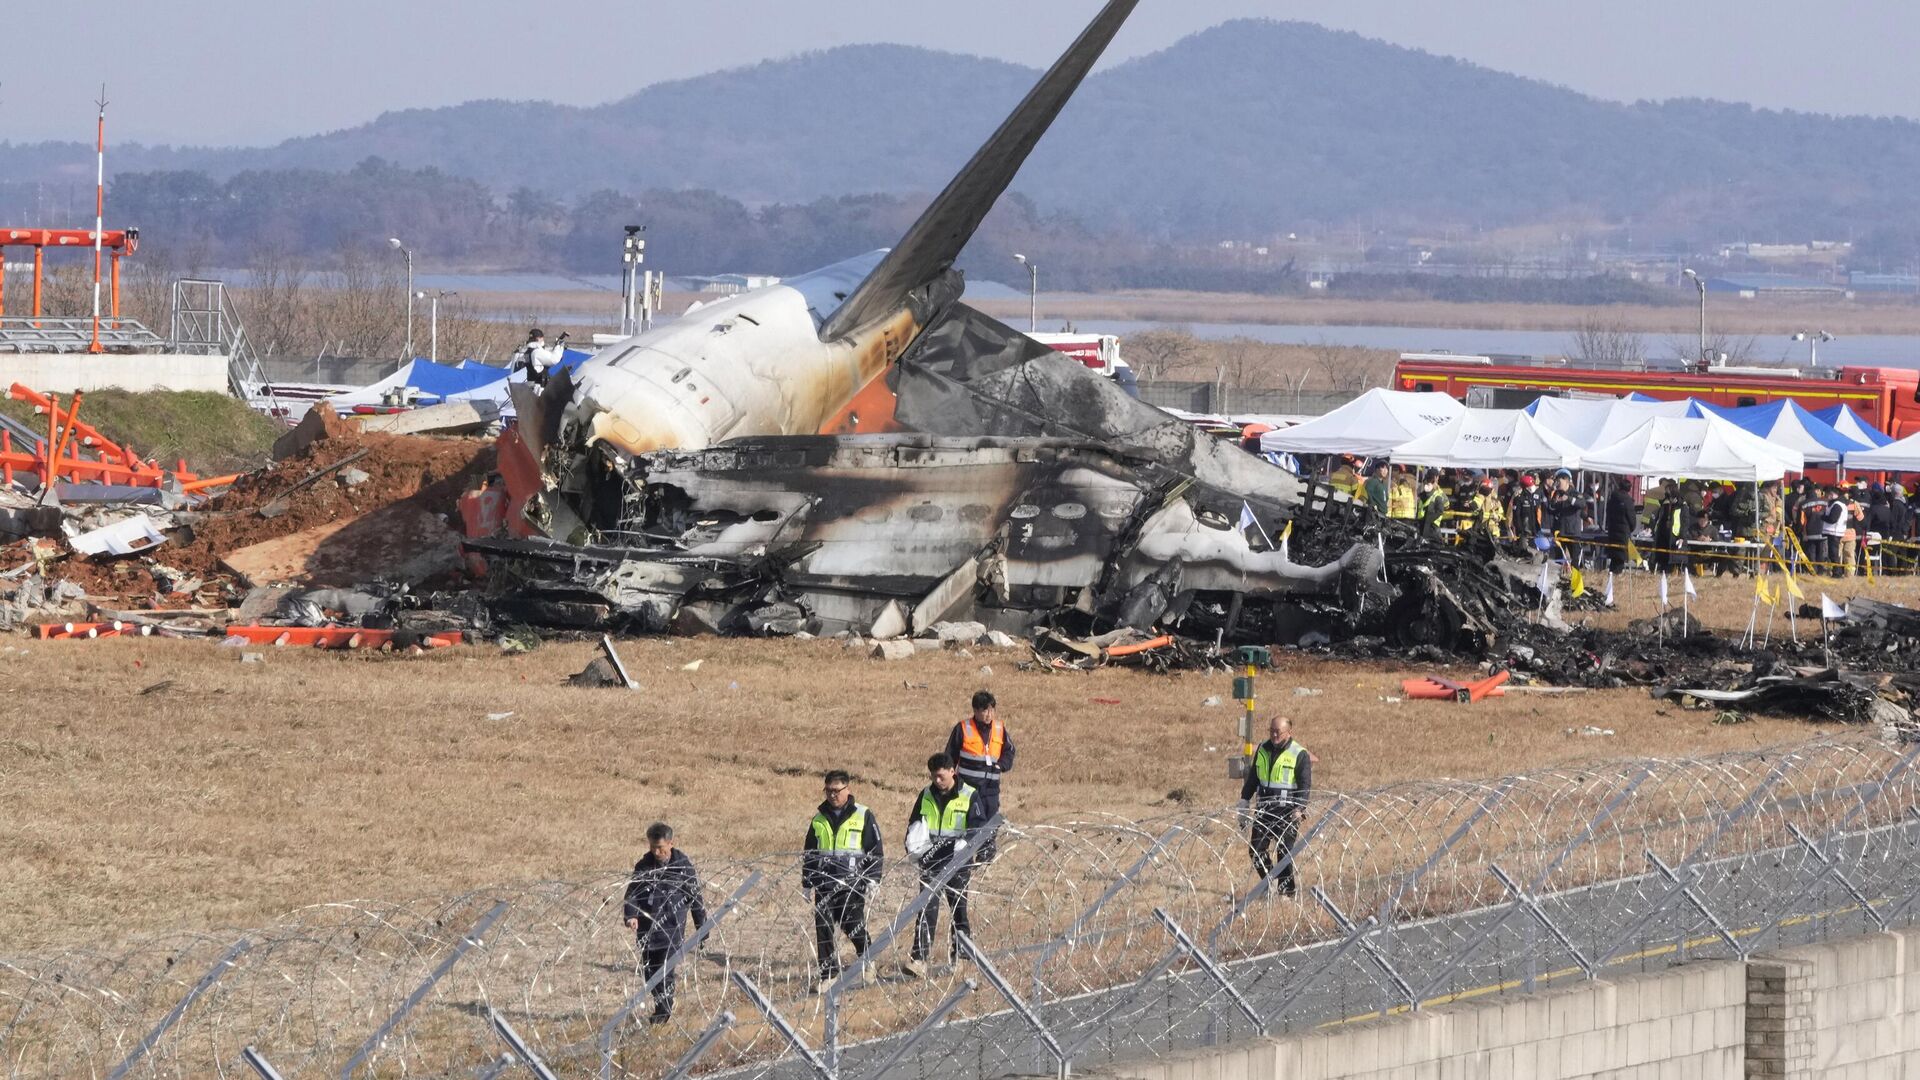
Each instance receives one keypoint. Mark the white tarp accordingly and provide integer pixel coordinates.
(1901, 455)
(1371, 424)
(124, 537)
(1703, 448)
(1591, 422)
(1490, 439)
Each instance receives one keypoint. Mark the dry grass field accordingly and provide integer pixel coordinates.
(149, 785)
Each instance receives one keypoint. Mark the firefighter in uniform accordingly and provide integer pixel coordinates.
(842, 861)
(1402, 500)
(982, 751)
(1276, 790)
(951, 817)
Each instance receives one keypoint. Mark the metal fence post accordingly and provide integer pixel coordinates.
(512, 1038)
(700, 1046)
(1087, 914)
(1280, 866)
(1366, 946)
(1026, 1013)
(939, 1014)
(700, 935)
(467, 941)
(259, 1064)
(781, 1025)
(1211, 969)
(220, 967)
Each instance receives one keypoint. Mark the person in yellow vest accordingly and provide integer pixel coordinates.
(1403, 502)
(840, 863)
(1433, 509)
(946, 822)
(1344, 478)
(1276, 790)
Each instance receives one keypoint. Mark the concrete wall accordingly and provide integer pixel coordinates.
(1843, 1011)
(63, 373)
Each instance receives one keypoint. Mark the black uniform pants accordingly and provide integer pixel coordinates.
(988, 799)
(1276, 828)
(838, 907)
(955, 894)
(651, 961)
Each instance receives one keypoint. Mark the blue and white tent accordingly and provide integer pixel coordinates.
(1847, 422)
(1788, 424)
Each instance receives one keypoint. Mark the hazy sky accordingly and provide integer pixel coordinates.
(247, 71)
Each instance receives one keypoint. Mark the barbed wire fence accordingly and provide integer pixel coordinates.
(1094, 939)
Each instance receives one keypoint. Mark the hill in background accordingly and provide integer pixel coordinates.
(1251, 129)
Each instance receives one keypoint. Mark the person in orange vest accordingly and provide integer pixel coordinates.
(982, 750)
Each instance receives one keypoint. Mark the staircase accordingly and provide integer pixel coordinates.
(204, 322)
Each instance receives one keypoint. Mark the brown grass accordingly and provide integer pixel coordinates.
(1725, 603)
(244, 790)
(1771, 316)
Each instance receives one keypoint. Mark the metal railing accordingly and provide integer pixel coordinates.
(27, 334)
(1092, 940)
(202, 320)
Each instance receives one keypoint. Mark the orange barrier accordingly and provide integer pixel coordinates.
(88, 631)
(334, 637)
(1435, 688)
(59, 455)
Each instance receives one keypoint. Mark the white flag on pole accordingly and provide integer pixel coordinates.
(1247, 520)
(1544, 584)
(1831, 610)
(1609, 588)
(1663, 590)
(1686, 578)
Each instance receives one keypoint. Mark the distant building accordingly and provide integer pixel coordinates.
(1884, 283)
(731, 284)
(1750, 286)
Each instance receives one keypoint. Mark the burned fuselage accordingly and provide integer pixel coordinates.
(896, 532)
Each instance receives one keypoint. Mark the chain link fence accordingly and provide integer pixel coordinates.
(1094, 939)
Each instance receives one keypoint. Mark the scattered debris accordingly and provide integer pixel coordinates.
(1437, 688)
(598, 673)
(693, 665)
(1590, 731)
(1211, 702)
(892, 650)
(156, 688)
(124, 537)
(500, 715)
(619, 669)
(280, 504)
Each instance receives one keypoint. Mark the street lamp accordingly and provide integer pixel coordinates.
(433, 319)
(1813, 338)
(1033, 291)
(1701, 283)
(395, 244)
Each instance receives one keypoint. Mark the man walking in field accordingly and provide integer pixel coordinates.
(945, 823)
(842, 861)
(982, 752)
(1276, 790)
(664, 891)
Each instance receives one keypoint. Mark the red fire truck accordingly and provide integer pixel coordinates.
(1887, 398)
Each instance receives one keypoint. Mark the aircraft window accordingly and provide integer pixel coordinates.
(682, 373)
(1070, 511)
(926, 512)
(873, 515)
(1026, 510)
(766, 515)
(975, 513)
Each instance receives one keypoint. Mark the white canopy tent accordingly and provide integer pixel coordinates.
(1372, 424)
(1901, 455)
(1703, 448)
(1489, 439)
(1591, 422)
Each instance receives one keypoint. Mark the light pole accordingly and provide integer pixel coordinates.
(1813, 338)
(1701, 284)
(394, 242)
(1033, 291)
(433, 319)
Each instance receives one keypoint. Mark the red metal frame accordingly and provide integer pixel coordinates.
(119, 242)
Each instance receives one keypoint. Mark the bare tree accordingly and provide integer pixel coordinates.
(1157, 354)
(1734, 348)
(1603, 341)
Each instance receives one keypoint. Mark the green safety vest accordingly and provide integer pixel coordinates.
(846, 843)
(1275, 771)
(953, 821)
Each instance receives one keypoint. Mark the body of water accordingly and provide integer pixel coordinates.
(1882, 350)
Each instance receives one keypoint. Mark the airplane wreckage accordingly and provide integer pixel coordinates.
(856, 449)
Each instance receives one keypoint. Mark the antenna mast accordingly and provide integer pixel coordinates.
(99, 210)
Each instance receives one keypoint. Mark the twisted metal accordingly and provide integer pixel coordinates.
(1099, 937)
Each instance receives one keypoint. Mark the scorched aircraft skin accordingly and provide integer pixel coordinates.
(685, 479)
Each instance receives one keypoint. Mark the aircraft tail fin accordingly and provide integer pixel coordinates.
(935, 240)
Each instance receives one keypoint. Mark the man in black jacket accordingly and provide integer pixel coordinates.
(842, 860)
(1279, 780)
(951, 816)
(664, 891)
(1621, 517)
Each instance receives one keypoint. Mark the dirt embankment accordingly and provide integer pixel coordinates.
(419, 474)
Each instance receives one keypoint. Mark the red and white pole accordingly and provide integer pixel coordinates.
(99, 210)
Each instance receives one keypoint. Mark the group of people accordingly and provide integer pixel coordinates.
(950, 830)
(1518, 512)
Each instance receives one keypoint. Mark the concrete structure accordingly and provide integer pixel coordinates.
(1848, 1010)
(63, 373)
